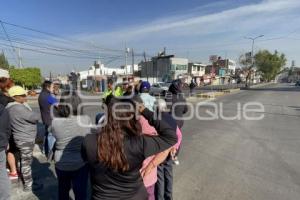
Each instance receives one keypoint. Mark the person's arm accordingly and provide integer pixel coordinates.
(157, 160)
(179, 136)
(166, 135)
(52, 100)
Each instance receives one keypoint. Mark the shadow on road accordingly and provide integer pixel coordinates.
(42, 174)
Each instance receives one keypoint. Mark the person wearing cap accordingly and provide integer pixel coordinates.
(23, 124)
(149, 101)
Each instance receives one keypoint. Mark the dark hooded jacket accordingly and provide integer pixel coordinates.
(4, 100)
(4, 128)
(176, 102)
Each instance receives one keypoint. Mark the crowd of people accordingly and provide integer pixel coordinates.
(129, 156)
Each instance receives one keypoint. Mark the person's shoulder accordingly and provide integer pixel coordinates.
(91, 138)
(3, 111)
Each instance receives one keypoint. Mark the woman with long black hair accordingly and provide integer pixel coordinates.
(116, 154)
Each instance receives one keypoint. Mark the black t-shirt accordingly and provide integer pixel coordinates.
(109, 184)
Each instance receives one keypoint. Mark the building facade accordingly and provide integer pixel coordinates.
(164, 68)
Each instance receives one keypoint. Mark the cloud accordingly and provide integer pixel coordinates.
(203, 24)
(215, 28)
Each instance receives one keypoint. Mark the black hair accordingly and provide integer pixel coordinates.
(46, 84)
(69, 104)
(110, 81)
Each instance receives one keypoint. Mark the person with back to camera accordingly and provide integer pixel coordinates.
(149, 101)
(69, 129)
(116, 153)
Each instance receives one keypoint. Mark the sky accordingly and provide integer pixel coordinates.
(78, 31)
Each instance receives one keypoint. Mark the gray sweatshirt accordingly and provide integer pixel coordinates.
(69, 134)
(23, 122)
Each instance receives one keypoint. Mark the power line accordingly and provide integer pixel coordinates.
(57, 36)
(62, 55)
(55, 48)
(11, 45)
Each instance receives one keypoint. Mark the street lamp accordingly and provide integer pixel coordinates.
(252, 56)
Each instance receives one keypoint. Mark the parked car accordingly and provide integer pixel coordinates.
(159, 88)
(297, 83)
(38, 90)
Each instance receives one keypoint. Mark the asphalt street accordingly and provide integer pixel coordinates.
(243, 159)
(237, 159)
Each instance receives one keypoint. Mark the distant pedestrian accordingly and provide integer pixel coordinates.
(109, 91)
(176, 102)
(69, 129)
(149, 101)
(46, 101)
(192, 87)
(5, 85)
(116, 153)
(137, 86)
(5, 133)
(23, 122)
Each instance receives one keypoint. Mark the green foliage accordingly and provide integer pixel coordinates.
(269, 64)
(3, 62)
(245, 61)
(29, 77)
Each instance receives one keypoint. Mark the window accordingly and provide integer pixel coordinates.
(181, 67)
(173, 67)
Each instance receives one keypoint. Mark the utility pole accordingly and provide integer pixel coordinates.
(132, 53)
(252, 56)
(146, 65)
(127, 50)
(19, 57)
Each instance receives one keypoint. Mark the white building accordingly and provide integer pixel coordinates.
(196, 69)
(4, 73)
(231, 66)
(98, 72)
(164, 68)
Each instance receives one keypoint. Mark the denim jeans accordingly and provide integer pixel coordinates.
(77, 180)
(49, 141)
(164, 184)
(4, 180)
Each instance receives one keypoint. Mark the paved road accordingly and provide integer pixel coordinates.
(229, 159)
(241, 159)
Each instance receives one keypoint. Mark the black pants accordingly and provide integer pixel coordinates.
(164, 184)
(78, 180)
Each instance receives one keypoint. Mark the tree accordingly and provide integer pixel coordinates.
(3, 62)
(269, 64)
(246, 63)
(28, 77)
